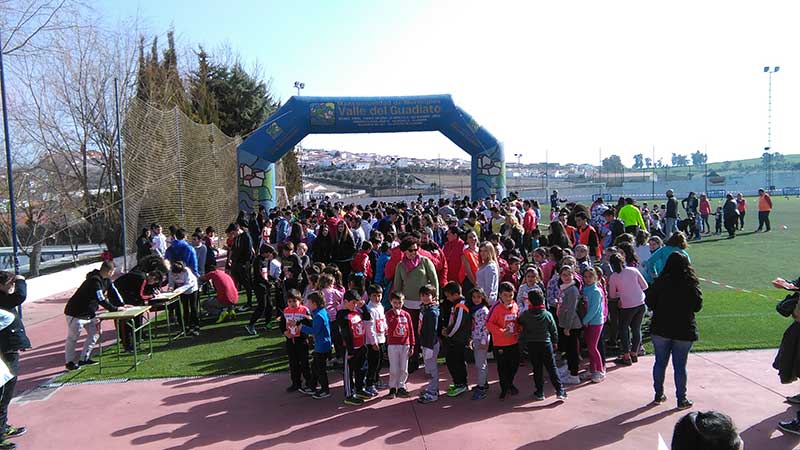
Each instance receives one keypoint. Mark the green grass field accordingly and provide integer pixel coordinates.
(730, 319)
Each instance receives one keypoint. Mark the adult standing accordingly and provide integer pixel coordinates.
(674, 298)
(704, 208)
(453, 249)
(671, 214)
(321, 247)
(81, 311)
(413, 272)
(240, 257)
(764, 208)
(343, 248)
(730, 215)
(488, 274)
(143, 245)
(658, 257)
(529, 223)
(469, 262)
(159, 241)
(180, 250)
(631, 217)
(741, 206)
(13, 292)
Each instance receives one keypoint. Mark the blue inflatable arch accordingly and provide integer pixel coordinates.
(301, 116)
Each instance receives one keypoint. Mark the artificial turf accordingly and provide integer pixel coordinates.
(730, 319)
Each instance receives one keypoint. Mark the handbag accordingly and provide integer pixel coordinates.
(787, 306)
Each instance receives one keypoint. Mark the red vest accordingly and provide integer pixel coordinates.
(583, 238)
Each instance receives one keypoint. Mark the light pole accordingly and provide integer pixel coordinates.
(9, 171)
(769, 70)
(519, 170)
(299, 85)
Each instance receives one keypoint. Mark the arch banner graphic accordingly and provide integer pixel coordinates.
(301, 116)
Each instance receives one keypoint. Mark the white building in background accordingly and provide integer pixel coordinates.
(403, 163)
(324, 163)
(361, 166)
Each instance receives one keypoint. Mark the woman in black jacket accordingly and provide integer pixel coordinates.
(321, 247)
(343, 249)
(674, 297)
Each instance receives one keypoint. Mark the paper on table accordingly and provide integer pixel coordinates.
(661, 444)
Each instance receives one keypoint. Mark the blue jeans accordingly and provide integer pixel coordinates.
(664, 347)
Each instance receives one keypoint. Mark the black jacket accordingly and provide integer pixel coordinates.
(459, 327)
(787, 361)
(241, 252)
(13, 337)
(672, 208)
(674, 305)
(85, 301)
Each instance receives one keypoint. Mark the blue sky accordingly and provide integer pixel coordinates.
(569, 77)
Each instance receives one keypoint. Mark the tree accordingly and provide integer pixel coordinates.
(637, 161)
(648, 162)
(679, 160)
(243, 101)
(67, 115)
(613, 164)
(699, 158)
(27, 25)
(204, 104)
(293, 176)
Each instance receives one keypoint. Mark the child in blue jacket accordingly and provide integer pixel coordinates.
(321, 330)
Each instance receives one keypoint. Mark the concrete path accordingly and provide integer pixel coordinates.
(254, 412)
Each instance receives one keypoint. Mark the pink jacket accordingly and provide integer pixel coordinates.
(628, 286)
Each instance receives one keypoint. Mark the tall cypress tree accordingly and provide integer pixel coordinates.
(204, 105)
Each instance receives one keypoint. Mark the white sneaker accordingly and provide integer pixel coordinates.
(598, 377)
(584, 376)
(571, 379)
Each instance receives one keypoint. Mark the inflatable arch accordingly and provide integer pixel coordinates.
(301, 116)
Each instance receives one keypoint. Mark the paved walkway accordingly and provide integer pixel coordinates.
(254, 412)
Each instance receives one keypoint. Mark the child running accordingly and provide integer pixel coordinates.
(479, 310)
(502, 323)
(540, 335)
(352, 330)
(456, 336)
(320, 329)
(429, 341)
(400, 345)
(376, 338)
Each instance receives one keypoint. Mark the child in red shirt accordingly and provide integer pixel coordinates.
(361, 262)
(296, 342)
(502, 324)
(400, 345)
